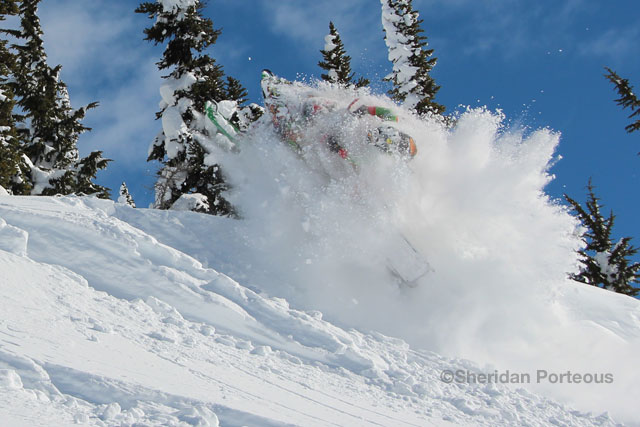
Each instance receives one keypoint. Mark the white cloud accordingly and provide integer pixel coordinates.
(85, 36)
(104, 58)
(358, 22)
(614, 45)
(123, 124)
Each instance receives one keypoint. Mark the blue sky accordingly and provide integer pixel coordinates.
(541, 62)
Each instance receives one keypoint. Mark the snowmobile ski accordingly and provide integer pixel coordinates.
(224, 126)
(405, 263)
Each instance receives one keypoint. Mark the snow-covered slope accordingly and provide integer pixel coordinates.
(120, 316)
(104, 323)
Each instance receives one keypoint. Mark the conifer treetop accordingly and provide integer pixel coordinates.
(412, 62)
(627, 99)
(32, 53)
(125, 197)
(604, 263)
(182, 24)
(336, 61)
(177, 6)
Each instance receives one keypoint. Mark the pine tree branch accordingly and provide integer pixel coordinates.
(627, 99)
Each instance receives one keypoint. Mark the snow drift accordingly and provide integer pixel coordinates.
(133, 315)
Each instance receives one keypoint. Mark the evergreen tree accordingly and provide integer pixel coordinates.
(183, 149)
(412, 62)
(627, 98)
(235, 91)
(125, 197)
(336, 61)
(604, 263)
(54, 127)
(12, 166)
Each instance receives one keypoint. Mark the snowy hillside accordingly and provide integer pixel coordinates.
(104, 323)
(291, 316)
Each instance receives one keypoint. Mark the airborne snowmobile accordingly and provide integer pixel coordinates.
(296, 108)
(293, 107)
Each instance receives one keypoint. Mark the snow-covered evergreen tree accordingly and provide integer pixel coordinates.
(412, 62)
(336, 62)
(627, 98)
(125, 197)
(12, 165)
(604, 263)
(54, 127)
(184, 147)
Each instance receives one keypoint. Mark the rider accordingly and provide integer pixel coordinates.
(289, 124)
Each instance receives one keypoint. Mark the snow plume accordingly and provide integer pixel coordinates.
(472, 202)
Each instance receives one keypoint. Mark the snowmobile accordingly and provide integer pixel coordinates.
(293, 106)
